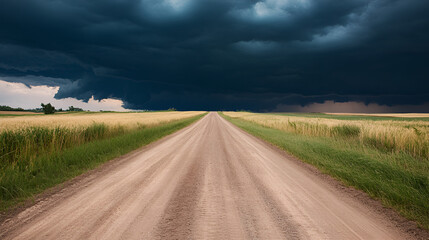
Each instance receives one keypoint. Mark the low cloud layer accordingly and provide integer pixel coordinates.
(352, 107)
(30, 97)
(208, 54)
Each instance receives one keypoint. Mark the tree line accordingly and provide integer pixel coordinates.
(45, 108)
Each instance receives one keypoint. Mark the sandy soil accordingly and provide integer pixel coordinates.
(208, 181)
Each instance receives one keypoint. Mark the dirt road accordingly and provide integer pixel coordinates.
(208, 181)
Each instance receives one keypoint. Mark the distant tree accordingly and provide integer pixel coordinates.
(48, 108)
(5, 108)
(73, 109)
(172, 109)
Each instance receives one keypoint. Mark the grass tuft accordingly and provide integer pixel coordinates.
(346, 130)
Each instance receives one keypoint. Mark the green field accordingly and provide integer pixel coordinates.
(397, 178)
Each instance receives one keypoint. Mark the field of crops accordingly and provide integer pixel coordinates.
(410, 136)
(23, 138)
(84, 119)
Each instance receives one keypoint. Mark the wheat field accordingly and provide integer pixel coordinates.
(411, 137)
(24, 138)
(73, 120)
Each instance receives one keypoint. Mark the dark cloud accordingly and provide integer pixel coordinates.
(242, 54)
(352, 107)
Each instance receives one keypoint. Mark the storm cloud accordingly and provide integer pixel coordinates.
(219, 54)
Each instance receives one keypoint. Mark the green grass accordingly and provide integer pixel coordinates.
(346, 131)
(397, 179)
(352, 117)
(19, 182)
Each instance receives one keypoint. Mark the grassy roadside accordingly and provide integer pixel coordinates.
(397, 180)
(19, 184)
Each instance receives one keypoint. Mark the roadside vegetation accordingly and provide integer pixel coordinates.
(38, 152)
(387, 159)
(410, 137)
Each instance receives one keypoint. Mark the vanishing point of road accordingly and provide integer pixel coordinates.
(210, 180)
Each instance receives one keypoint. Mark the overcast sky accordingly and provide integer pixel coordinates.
(265, 55)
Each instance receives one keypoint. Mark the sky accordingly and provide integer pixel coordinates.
(30, 97)
(259, 55)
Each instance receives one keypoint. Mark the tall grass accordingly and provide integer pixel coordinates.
(411, 137)
(24, 138)
(18, 147)
(346, 130)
